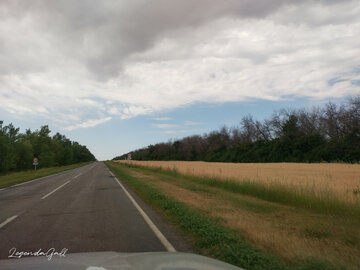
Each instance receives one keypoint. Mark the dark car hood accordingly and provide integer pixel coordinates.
(115, 260)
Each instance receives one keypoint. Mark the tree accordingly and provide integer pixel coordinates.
(17, 150)
(25, 155)
(331, 133)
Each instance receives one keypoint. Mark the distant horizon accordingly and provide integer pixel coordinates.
(164, 121)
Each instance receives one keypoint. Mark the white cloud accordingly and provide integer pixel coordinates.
(101, 65)
(164, 126)
(89, 123)
(162, 118)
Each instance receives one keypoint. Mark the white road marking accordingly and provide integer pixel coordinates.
(78, 175)
(153, 227)
(55, 190)
(7, 221)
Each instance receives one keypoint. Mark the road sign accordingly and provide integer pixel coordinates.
(35, 161)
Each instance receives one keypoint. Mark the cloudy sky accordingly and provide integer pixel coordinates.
(118, 75)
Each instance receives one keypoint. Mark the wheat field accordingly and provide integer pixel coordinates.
(342, 180)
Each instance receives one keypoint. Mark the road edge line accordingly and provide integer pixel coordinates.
(8, 220)
(152, 226)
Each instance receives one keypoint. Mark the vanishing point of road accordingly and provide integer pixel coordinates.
(81, 210)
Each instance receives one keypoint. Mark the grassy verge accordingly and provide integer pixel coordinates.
(24, 176)
(325, 203)
(209, 236)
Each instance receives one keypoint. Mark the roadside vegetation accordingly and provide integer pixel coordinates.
(322, 187)
(252, 226)
(17, 150)
(14, 178)
(330, 134)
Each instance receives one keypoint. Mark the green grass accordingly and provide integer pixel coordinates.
(253, 206)
(208, 235)
(308, 199)
(14, 178)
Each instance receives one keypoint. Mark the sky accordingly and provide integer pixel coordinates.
(120, 75)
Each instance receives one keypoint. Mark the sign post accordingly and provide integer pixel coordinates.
(35, 162)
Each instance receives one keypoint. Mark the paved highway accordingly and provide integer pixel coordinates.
(82, 210)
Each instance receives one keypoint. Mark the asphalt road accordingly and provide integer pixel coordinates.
(81, 210)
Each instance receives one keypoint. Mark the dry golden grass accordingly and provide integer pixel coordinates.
(281, 231)
(340, 179)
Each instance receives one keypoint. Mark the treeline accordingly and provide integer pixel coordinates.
(17, 150)
(330, 134)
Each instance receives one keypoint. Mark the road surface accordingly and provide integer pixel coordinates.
(82, 210)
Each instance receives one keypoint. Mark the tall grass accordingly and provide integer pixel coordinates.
(325, 202)
(341, 179)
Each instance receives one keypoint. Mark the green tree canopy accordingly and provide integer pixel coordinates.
(17, 150)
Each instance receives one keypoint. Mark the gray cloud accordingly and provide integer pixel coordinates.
(102, 34)
(101, 59)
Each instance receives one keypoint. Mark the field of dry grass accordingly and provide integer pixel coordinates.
(287, 230)
(338, 179)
